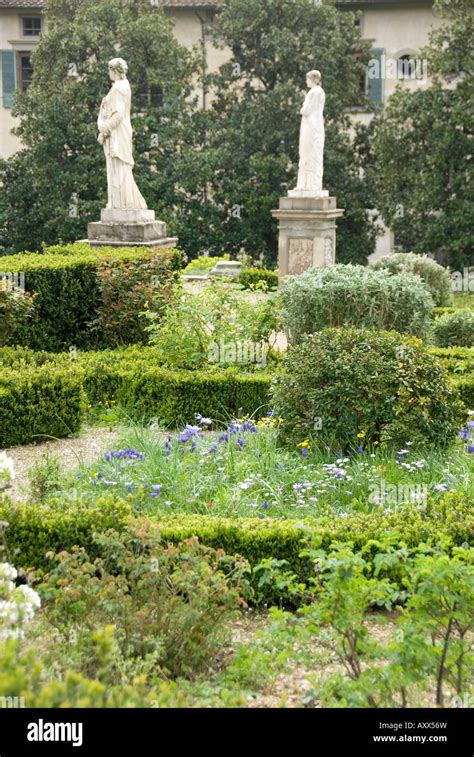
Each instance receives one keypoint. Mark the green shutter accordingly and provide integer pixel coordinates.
(375, 84)
(8, 61)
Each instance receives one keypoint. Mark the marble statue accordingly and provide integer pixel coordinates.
(115, 134)
(310, 171)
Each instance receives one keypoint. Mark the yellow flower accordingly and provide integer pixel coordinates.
(361, 435)
(375, 444)
(304, 444)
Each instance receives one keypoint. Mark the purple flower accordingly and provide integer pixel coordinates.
(441, 488)
(188, 432)
(265, 504)
(155, 490)
(470, 424)
(100, 474)
(304, 451)
(464, 433)
(223, 437)
(206, 421)
(360, 449)
(193, 445)
(129, 488)
(470, 449)
(240, 444)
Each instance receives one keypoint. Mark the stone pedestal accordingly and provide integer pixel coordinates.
(128, 228)
(307, 233)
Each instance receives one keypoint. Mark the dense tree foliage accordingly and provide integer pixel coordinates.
(423, 146)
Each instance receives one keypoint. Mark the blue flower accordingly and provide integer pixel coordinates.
(240, 444)
(155, 490)
(360, 449)
(100, 474)
(304, 451)
(265, 504)
(188, 432)
(470, 449)
(464, 433)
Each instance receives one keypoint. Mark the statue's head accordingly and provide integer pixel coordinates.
(313, 78)
(117, 69)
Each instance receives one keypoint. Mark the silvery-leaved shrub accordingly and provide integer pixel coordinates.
(382, 385)
(352, 295)
(434, 275)
(454, 329)
(18, 604)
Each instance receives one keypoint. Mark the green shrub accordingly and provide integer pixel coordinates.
(203, 264)
(212, 327)
(251, 277)
(454, 329)
(435, 276)
(23, 676)
(441, 311)
(347, 295)
(16, 316)
(125, 289)
(175, 397)
(35, 530)
(39, 401)
(170, 601)
(67, 288)
(343, 382)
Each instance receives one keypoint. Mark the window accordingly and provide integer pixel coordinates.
(31, 26)
(25, 71)
(376, 75)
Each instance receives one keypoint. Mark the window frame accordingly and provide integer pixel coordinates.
(23, 18)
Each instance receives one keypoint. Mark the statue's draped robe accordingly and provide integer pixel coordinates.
(310, 172)
(115, 115)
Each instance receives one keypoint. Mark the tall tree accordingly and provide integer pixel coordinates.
(254, 120)
(57, 182)
(423, 147)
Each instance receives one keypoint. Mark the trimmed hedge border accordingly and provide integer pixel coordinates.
(30, 396)
(49, 401)
(66, 283)
(36, 530)
(44, 394)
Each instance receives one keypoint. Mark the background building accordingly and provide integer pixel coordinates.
(397, 31)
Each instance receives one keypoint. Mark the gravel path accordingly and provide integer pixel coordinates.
(86, 446)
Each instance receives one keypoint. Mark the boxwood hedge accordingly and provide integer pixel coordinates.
(67, 287)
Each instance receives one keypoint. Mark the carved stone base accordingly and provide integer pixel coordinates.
(307, 233)
(128, 228)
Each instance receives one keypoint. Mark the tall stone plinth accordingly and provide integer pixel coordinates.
(307, 233)
(128, 228)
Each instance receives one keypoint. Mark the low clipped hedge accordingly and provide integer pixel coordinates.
(35, 530)
(68, 284)
(39, 401)
(251, 277)
(454, 329)
(33, 403)
(45, 393)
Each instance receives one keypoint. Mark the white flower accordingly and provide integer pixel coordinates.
(7, 469)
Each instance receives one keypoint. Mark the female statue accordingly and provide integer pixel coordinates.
(310, 172)
(115, 134)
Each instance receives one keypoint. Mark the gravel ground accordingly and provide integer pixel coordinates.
(86, 446)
